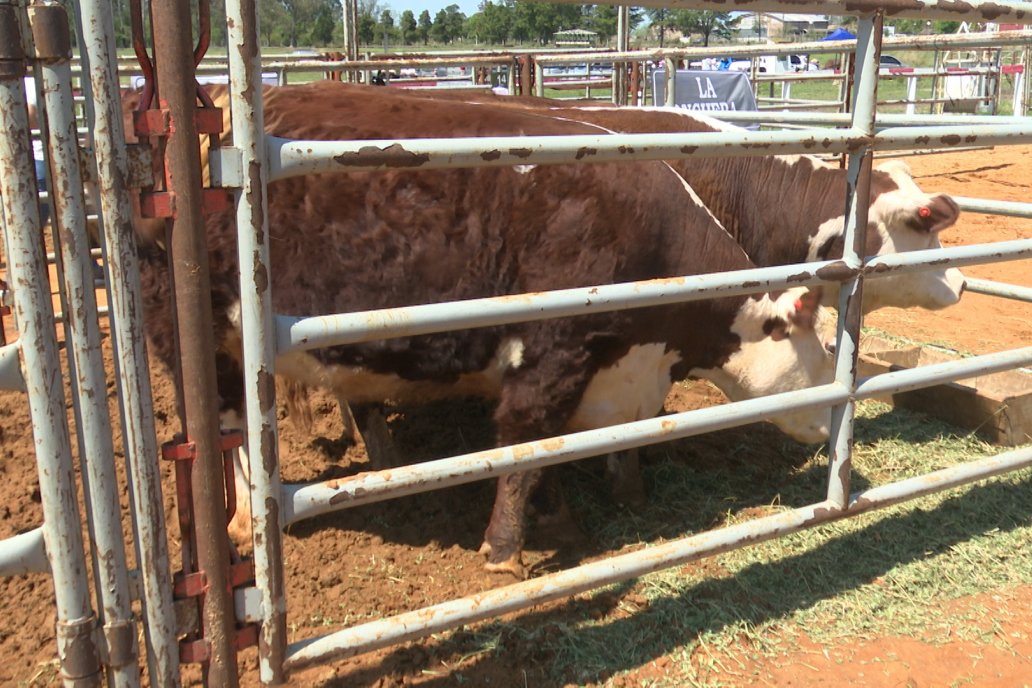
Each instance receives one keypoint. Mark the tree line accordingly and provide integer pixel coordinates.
(319, 23)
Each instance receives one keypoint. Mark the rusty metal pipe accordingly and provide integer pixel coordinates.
(41, 367)
(140, 48)
(126, 303)
(259, 346)
(175, 70)
(203, 30)
(50, 29)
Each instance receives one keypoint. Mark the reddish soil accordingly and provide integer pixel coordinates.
(388, 558)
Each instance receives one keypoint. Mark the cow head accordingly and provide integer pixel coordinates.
(782, 349)
(901, 218)
(908, 219)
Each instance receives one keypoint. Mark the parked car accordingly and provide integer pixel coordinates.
(891, 61)
(801, 63)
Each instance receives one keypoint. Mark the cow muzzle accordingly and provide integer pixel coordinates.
(806, 427)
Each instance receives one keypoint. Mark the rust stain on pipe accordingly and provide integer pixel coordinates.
(394, 156)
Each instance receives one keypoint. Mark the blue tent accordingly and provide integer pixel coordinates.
(838, 34)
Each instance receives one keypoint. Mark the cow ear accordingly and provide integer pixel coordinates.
(937, 214)
(895, 166)
(801, 314)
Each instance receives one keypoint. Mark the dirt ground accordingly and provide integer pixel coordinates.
(388, 558)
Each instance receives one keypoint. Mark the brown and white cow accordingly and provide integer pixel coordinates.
(788, 209)
(359, 241)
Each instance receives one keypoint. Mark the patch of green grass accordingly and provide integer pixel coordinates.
(889, 572)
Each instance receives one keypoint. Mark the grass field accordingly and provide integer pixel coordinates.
(891, 572)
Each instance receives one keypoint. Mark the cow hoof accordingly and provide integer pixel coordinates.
(513, 565)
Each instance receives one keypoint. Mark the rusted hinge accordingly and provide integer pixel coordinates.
(241, 575)
(184, 450)
(194, 649)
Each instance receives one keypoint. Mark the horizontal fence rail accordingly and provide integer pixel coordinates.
(349, 328)
(304, 333)
(1007, 291)
(302, 502)
(24, 553)
(447, 615)
(290, 158)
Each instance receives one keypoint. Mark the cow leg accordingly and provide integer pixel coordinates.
(537, 400)
(230, 380)
(379, 443)
(623, 473)
(365, 423)
(239, 525)
(503, 539)
(549, 508)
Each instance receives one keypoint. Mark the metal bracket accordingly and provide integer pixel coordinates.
(193, 585)
(198, 651)
(77, 648)
(12, 55)
(227, 167)
(241, 578)
(118, 647)
(51, 35)
(158, 122)
(163, 203)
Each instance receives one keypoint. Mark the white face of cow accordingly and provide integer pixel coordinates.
(781, 351)
(905, 219)
(910, 220)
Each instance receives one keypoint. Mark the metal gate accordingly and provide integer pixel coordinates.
(246, 168)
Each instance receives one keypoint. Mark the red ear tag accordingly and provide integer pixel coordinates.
(798, 304)
(924, 211)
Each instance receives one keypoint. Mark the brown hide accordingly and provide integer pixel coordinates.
(357, 241)
(771, 207)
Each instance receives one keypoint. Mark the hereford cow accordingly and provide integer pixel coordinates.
(359, 241)
(788, 209)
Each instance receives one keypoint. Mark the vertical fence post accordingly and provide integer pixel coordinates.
(936, 66)
(911, 94)
(1024, 88)
(173, 48)
(858, 181)
(623, 31)
(259, 334)
(126, 307)
(96, 452)
(41, 367)
(671, 80)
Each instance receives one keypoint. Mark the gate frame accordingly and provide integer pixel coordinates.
(257, 158)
